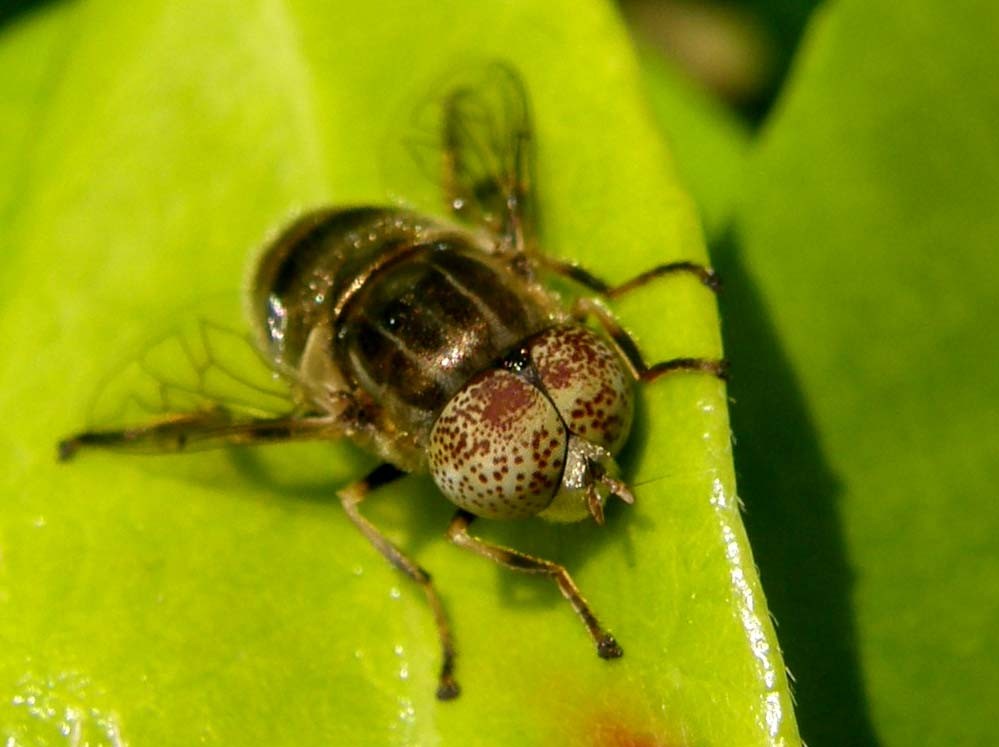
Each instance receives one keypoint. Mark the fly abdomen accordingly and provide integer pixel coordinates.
(295, 278)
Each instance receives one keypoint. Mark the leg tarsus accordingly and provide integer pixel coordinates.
(608, 648)
(715, 367)
(457, 532)
(350, 498)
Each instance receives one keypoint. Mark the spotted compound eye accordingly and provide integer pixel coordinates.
(498, 448)
(584, 379)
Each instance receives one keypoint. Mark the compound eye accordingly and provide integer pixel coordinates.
(498, 448)
(585, 380)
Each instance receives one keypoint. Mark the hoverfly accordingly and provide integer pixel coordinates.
(435, 345)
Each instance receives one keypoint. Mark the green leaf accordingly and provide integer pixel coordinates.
(709, 142)
(861, 300)
(222, 597)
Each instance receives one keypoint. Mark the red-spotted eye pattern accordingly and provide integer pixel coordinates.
(584, 379)
(498, 448)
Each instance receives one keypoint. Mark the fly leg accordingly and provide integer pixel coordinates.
(625, 343)
(629, 351)
(457, 532)
(351, 497)
(203, 430)
(582, 276)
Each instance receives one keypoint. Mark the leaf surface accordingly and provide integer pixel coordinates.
(860, 306)
(221, 597)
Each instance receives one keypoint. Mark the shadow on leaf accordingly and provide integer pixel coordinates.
(792, 516)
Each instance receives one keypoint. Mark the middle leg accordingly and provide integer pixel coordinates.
(628, 348)
(351, 497)
(588, 280)
(625, 344)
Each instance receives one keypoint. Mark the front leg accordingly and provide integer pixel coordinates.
(457, 532)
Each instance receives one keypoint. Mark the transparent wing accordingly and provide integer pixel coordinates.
(473, 137)
(199, 370)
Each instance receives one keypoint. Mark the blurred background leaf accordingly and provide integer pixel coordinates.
(738, 50)
(860, 313)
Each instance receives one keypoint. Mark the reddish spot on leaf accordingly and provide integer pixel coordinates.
(608, 731)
